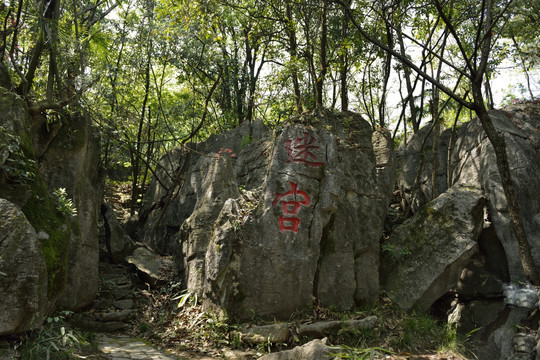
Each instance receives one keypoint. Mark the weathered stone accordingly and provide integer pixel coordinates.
(124, 304)
(498, 339)
(478, 316)
(23, 276)
(313, 350)
(324, 328)
(274, 333)
(71, 161)
(483, 276)
(217, 183)
(172, 194)
(17, 165)
(90, 323)
(473, 162)
(524, 343)
(121, 315)
(119, 244)
(120, 293)
(415, 156)
(237, 355)
(306, 221)
(425, 256)
(14, 116)
(151, 267)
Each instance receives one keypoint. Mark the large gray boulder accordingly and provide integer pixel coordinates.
(51, 166)
(118, 243)
(314, 231)
(415, 163)
(214, 180)
(290, 217)
(424, 257)
(23, 276)
(472, 163)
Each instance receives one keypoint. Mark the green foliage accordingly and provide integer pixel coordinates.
(398, 332)
(396, 252)
(55, 340)
(187, 297)
(18, 167)
(64, 203)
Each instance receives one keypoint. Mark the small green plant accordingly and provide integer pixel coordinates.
(396, 252)
(55, 340)
(246, 140)
(451, 340)
(63, 203)
(265, 347)
(187, 297)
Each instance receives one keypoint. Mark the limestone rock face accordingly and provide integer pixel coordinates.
(37, 160)
(72, 162)
(215, 181)
(152, 268)
(472, 162)
(424, 257)
(23, 276)
(172, 193)
(290, 217)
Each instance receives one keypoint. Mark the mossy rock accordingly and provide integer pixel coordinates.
(41, 212)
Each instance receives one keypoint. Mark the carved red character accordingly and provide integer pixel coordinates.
(300, 150)
(287, 222)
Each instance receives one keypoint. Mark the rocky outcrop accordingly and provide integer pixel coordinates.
(152, 268)
(424, 257)
(172, 193)
(320, 329)
(216, 184)
(267, 225)
(472, 162)
(50, 172)
(23, 276)
(71, 162)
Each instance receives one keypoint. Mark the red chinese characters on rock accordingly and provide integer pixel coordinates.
(287, 221)
(300, 150)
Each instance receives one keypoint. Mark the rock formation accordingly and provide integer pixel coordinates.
(467, 159)
(50, 184)
(425, 256)
(267, 222)
(23, 275)
(472, 163)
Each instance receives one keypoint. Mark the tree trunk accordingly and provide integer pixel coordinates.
(323, 66)
(293, 51)
(499, 145)
(344, 60)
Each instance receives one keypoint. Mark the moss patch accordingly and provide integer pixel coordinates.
(41, 212)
